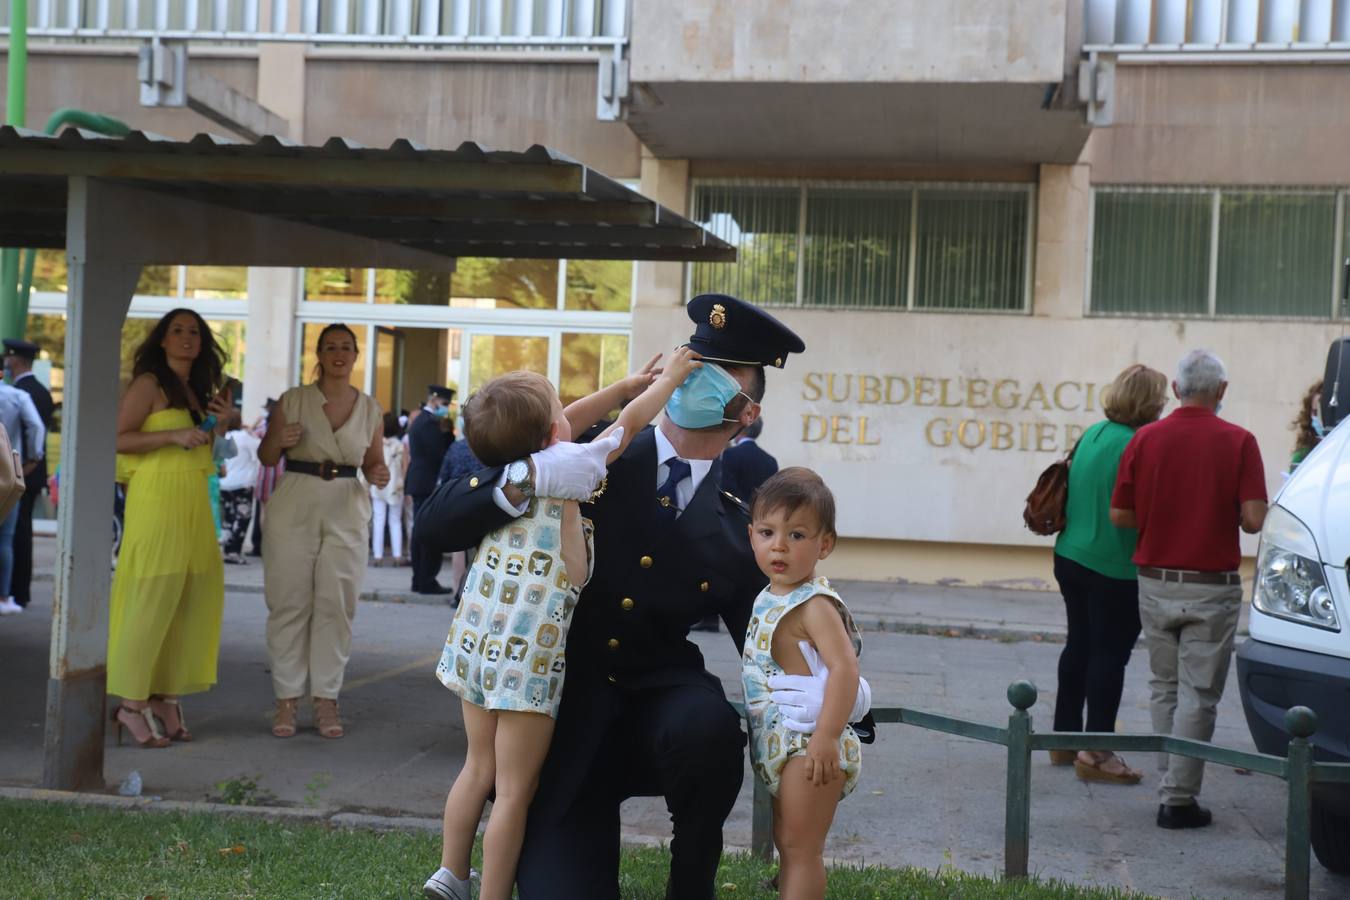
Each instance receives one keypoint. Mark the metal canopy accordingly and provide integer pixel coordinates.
(118, 204)
(448, 203)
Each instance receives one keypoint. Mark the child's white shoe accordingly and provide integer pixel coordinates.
(445, 886)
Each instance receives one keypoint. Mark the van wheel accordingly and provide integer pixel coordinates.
(1331, 838)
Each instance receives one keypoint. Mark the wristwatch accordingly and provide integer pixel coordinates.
(518, 476)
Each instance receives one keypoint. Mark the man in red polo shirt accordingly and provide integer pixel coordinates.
(1188, 483)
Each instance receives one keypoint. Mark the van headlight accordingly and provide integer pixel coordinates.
(1290, 581)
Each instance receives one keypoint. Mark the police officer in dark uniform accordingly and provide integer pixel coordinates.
(428, 439)
(640, 715)
(19, 356)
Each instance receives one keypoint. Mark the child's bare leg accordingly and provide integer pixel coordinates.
(522, 744)
(464, 804)
(801, 821)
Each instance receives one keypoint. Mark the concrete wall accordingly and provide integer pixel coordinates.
(106, 83)
(933, 427)
(1265, 124)
(505, 106)
(828, 41)
(439, 102)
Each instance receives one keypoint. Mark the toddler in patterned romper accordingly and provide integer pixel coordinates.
(791, 529)
(504, 656)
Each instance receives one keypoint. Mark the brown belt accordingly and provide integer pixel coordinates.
(1185, 576)
(325, 470)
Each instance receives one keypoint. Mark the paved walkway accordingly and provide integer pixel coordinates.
(926, 799)
(877, 606)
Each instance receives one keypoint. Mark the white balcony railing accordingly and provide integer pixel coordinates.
(511, 23)
(1223, 26)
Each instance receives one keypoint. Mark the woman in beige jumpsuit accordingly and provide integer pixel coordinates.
(318, 529)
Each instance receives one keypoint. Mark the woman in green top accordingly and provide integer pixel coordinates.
(1097, 578)
(1308, 426)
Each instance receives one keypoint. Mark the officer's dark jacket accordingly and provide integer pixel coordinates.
(42, 399)
(427, 444)
(630, 629)
(745, 467)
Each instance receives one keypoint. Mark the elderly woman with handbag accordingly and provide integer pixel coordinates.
(1097, 578)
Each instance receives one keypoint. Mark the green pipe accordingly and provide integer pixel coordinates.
(80, 119)
(88, 121)
(18, 63)
(16, 91)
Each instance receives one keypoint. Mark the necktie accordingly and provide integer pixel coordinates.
(665, 494)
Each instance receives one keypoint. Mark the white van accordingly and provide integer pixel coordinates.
(1299, 650)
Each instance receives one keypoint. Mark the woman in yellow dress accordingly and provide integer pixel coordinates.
(168, 593)
(318, 530)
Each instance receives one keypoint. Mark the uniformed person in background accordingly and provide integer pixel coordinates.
(19, 356)
(430, 434)
(745, 466)
(640, 715)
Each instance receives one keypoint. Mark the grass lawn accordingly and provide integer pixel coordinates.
(57, 850)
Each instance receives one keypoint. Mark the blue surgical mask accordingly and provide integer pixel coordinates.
(703, 397)
(1317, 426)
(441, 412)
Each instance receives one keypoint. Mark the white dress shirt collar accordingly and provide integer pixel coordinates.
(698, 468)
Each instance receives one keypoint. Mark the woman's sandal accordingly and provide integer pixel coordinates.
(142, 724)
(171, 714)
(326, 717)
(283, 719)
(1063, 757)
(1095, 769)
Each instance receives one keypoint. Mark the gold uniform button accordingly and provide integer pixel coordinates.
(645, 562)
(473, 482)
(613, 680)
(627, 603)
(614, 643)
(703, 587)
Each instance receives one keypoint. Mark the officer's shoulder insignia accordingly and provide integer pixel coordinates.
(737, 501)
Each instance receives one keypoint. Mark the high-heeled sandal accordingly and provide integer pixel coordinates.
(283, 718)
(326, 717)
(154, 738)
(180, 733)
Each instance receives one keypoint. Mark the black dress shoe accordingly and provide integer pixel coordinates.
(1192, 815)
(433, 588)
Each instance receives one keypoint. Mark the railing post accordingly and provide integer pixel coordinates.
(761, 821)
(1017, 826)
(1300, 722)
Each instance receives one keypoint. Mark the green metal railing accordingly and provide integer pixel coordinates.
(1297, 769)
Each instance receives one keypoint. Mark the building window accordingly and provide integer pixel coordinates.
(1216, 252)
(869, 246)
(585, 285)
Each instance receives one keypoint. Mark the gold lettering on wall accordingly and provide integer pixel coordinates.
(1037, 395)
(971, 431)
(869, 389)
(977, 393)
(809, 423)
(811, 382)
(924, 391)
(1059, 389)
(970, 437)
(1001, 399)
(939, 432)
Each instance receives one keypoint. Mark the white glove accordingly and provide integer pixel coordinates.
(568, 471)
(800, 697)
